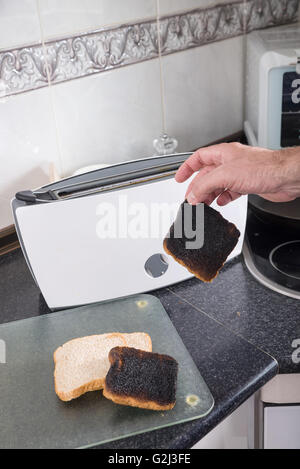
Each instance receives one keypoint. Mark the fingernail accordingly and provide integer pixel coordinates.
(191, 198)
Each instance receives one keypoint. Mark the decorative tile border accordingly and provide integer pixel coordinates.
(28, 68)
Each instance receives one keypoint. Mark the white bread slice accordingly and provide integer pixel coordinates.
(81, 364)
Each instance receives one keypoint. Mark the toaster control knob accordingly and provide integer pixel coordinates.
(156, 265)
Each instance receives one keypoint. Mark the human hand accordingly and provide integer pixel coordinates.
(229, 170)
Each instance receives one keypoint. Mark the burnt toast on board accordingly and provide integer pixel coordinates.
(141, 379)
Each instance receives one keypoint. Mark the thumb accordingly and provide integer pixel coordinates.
(202, 187)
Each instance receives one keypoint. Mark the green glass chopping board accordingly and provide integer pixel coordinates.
(32, 416)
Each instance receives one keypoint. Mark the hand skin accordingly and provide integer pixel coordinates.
(229, 170)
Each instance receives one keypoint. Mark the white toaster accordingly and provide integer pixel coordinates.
(60, 227)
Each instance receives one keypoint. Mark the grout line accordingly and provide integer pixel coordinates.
(225, 327)
(162, 89)
(244, 66)
(58, 145)
(94, 29)
(236, 29)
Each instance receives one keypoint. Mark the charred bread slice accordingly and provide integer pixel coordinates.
(141, 379)
(220, 238)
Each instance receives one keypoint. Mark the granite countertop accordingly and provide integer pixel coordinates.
(238, 332)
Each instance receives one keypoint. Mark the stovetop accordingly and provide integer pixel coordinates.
(272, 253)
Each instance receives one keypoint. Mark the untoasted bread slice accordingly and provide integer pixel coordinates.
(141, 379)
(220, 238)
(82, 364)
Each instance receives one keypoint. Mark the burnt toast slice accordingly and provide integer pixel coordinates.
(220, 238)
(141, 379)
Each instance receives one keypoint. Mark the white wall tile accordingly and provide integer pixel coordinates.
(19, 23)
(203, 93)
(60, 17)
(167, 7)
(109, 117)
(27, 145)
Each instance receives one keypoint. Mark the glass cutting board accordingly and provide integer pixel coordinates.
(31, 415)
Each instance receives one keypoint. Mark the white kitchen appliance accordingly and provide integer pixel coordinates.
(273, 87)
(272, 247)
(96, 236)
(277, 407)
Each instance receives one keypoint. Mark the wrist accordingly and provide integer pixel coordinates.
(288, 162)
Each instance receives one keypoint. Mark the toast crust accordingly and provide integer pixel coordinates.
(192, 271)
(110, 335)
(94, 385)
(130, 401)
(147, 336)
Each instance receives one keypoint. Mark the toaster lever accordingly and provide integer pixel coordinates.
(26, 196)
(33, 197)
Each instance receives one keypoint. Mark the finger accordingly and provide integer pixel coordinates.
(201, 173)
(202, 187)
(226, 197)
(209, 200)
(201, 158)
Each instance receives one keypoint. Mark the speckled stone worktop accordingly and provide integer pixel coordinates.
(238, 332)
